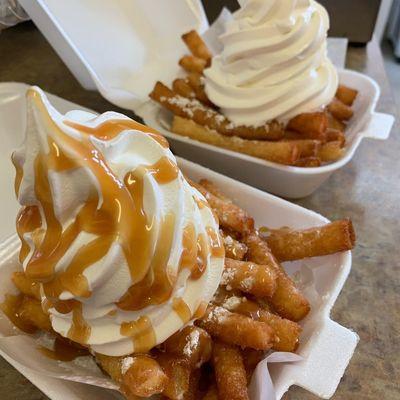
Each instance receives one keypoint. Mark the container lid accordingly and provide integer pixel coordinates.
(123, 46)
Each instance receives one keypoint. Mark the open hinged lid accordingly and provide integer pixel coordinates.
(120, 47)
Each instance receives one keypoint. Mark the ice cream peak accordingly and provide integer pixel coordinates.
(274, 63)
(124, 249)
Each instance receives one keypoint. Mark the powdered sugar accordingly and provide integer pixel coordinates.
(227, 276)
(127, 362)
(232, 302)
(192, 342)
(247, 283)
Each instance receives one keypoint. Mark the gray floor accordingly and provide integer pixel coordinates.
(393, 70)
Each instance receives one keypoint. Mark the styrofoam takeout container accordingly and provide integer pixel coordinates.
(134, 55)
(326, 347)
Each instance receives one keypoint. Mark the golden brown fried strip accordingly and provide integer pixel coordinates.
(31, 311)
(251, 358)
(331, 151)
(193, 64)
(233, 248)
(287, 332)
(207, 116)
(307, 148)
(181, 87)
(193, 390)
(308, 162)
(230, 373)
(195, 81)
(313, 125)
(287, 299)
(191, 343)
(334, 123)
(346, 95)
(279, 152)
(211, 394)
(237, 329)
(339, 110)
(289, 245)
(249, 277)
(333, 135)
(178, 373)
(213, 189)
(26, 285)
(138, 375)
(229, 215)
(197, 46)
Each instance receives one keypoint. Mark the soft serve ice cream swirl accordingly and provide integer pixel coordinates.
(274, 62)
(125, 250)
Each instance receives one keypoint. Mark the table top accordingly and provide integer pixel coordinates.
(366, 189)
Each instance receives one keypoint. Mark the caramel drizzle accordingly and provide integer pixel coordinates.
(182, 309)
(120, 217)
(19, 173)
(142, 333)
(217, 248)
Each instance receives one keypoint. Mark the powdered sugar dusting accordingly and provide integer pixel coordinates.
(127, 362)
(191, 343)
(247, 283)
(232, 302)
(227, 276)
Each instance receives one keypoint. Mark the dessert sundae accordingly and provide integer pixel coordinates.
(271, 93)
(165, 282)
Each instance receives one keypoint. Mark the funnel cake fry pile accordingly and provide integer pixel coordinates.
(257, 308)
(307, 140)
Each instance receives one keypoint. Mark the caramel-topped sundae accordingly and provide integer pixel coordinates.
(122, 259)
(123, 250)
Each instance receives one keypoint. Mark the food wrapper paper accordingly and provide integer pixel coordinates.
(25, 349)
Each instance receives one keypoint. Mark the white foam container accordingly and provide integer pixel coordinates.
(325, 345)
(134, 55)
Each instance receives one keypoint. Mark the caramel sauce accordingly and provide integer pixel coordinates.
(189, 248)
(200, 203)
(19, 174)
(182, 309)
(119, 217)
(141, 332)
(64, 350)
(108, 130)
(201, 310)
(217, 248)
(11, 307)
(80, 330)
(203, 250)
(157, 285)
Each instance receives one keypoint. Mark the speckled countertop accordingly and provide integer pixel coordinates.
(367, 190)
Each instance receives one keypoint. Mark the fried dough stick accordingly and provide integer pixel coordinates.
(289, 245)
(230, 373)
(249, 277)
(191, 343)
(193, 64)
(182, 87)
(287, 332)
(197, 46)
(280, 152)
(195, 81)
(207, 116)
(331, 151)
(233, 248)
(312, 125)
(308, 162)
(230, 215)
(346, 95)
(178, 373)
(26, 285)
(339, 110)
(138, 375)
(287, 300)
(237, 329)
